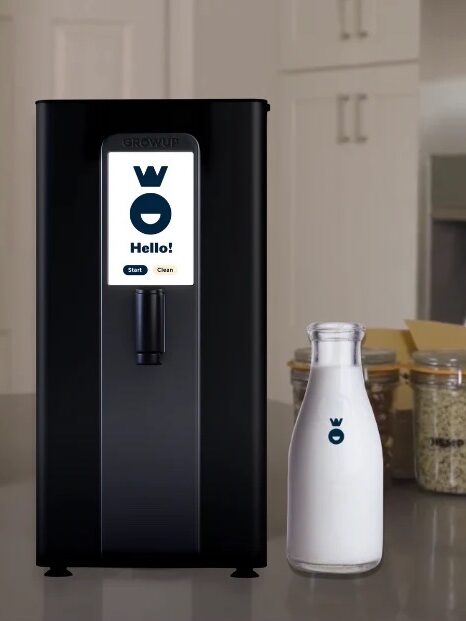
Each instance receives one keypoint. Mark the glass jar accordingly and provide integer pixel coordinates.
(440, 420)
(381, 374)
(300, 368)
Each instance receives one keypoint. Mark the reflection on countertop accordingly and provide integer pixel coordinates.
(421, 576)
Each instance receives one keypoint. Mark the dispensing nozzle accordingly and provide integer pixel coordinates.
(150, 325)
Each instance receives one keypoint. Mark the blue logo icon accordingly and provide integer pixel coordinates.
(150, 203)
(336, 435)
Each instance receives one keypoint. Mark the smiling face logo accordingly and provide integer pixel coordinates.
(336, 435)
(150, 203)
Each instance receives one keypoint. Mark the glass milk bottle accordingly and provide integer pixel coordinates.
(335, 465)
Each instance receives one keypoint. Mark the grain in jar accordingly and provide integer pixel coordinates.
(439, 384)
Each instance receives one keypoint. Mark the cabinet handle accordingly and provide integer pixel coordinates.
(342, 106)
(360, 123)
(364, 11)
(345, 18)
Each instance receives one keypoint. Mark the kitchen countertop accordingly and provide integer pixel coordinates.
(421, 576)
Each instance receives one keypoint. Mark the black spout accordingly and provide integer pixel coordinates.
(150, 325)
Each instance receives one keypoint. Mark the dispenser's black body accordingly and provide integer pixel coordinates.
(151, 412)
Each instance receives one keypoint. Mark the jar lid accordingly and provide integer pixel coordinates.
(440, 359)
(372, 356)
(303, 354)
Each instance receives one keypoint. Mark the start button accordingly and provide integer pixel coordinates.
(135, 270)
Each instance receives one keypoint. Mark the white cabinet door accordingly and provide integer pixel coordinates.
(325, 33)
(344, 227)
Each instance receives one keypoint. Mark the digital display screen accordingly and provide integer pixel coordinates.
(150, 218)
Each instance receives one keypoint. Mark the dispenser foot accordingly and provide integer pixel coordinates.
(245, 572)
(57, 571)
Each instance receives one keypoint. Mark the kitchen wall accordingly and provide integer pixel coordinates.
(442, 106)
(235, 48)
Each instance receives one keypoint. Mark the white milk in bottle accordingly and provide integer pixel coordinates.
(335, 466)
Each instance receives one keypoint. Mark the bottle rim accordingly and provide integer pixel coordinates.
(335, 331)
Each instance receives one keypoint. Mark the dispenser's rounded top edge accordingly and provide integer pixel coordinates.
(123, 101)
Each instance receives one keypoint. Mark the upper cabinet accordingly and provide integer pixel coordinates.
(344, 231)
(337, 33)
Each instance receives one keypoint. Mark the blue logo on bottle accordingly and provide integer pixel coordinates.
(336, 435)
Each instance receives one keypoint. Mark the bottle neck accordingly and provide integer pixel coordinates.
(338, 353)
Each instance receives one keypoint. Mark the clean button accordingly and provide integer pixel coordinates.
(135, 270)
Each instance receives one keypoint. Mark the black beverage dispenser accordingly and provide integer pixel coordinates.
(151, 334)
